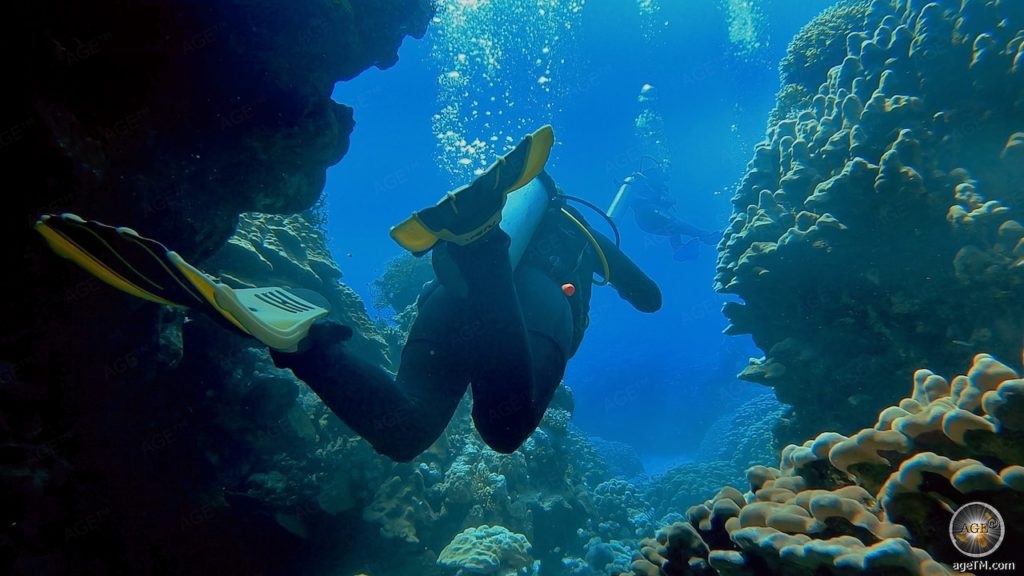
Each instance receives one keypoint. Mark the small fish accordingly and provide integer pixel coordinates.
(858, 399)
(963, 343)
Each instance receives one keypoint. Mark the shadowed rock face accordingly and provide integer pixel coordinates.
(148, 113)
(172, 118)
(878, 228)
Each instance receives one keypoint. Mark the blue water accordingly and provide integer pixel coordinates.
(656, 381)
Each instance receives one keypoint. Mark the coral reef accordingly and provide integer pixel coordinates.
(911, 141)
(731, 445)
(402, 282)
(623, 459)
(171, 118)
(149, 111)
(539, 491)
(743, 438)
(622, 509)
(877, 502)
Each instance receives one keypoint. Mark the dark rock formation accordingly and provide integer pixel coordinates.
(171, 118)
(148, 112)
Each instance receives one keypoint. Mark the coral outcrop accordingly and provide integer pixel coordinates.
(877, 502)
(487, 550)
(878, 228)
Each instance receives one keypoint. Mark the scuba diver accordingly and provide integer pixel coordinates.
(514, 266)
(647, 193)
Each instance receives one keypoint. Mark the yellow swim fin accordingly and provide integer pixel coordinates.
(469, 212)
(145, 268)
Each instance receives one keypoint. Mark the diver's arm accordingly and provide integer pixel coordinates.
(628, 279)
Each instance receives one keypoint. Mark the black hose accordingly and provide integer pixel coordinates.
(615, 229)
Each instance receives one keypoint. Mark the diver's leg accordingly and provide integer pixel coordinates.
(673, 226)
(662, 223)
(502, 363)
(521, 350)
(506, 412)
(654, 221)
(400, 417)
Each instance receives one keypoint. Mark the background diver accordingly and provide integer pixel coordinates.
(507, 309)
(646, 192)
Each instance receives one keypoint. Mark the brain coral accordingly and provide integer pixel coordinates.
(877, 502)
(486, 550)
(878, 228)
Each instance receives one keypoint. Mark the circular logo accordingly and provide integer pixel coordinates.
(976, 529)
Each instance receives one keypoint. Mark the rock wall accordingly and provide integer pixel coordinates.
(878, 227)
(171, 118)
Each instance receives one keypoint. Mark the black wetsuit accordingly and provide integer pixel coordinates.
(508, 334)
(654, 211)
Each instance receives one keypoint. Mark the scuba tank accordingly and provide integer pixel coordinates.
(627, 189)
(622, 198)
(521, 215)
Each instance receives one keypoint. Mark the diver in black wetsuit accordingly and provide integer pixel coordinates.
(507, 331)
(508, 335)
(654, 212)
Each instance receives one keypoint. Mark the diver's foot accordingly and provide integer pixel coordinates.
(322, 337)
(470, 212)
(457, 266)
(465, 215)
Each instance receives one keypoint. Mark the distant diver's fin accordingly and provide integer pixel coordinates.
(688, 251)
(468, 213)
(146, 269)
